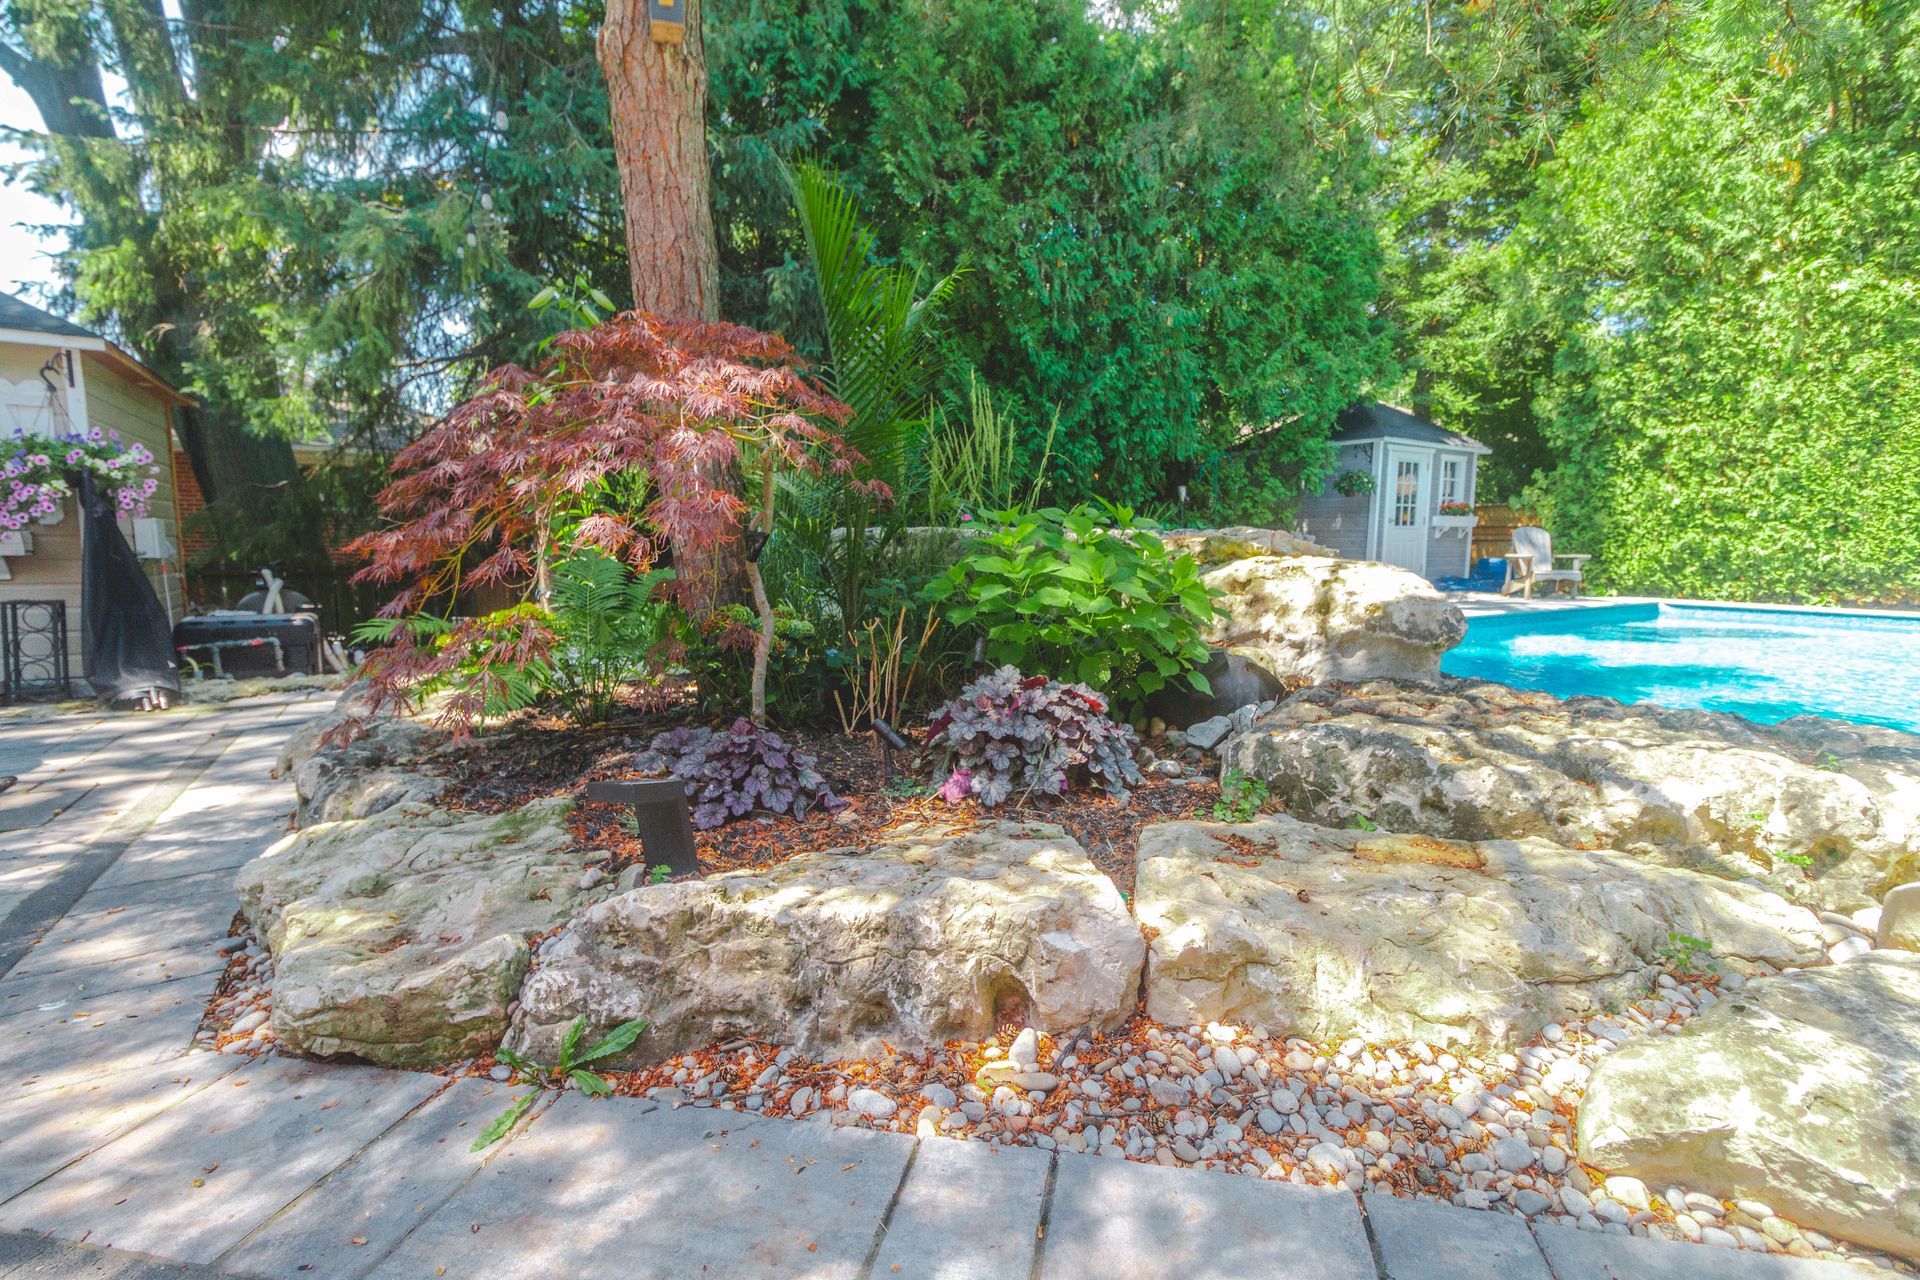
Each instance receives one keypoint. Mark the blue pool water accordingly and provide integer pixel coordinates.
(1765, 664)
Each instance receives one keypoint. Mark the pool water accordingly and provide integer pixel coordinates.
(1764, 664)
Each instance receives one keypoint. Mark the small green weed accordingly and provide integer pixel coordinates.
(1361, 822)
(572, 1066)
(658, 873)
(1241, 795)
(1827, 761)
(1688, 954)
(902, 787)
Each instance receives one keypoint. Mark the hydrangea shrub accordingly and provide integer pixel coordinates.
(1008, 732)
(733, 771)
(35, 472)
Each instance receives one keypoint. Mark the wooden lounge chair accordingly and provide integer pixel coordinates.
(1532, 560)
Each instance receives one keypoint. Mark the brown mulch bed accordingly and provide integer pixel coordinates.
(509, 767)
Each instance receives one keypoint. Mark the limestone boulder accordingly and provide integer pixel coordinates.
(353, 762)
(1801, 1091)
(1240, 542)
(402, 938)
(914, 942)
(1899, 924)
(1317, 619)
(1327, 934)
(1825, 813)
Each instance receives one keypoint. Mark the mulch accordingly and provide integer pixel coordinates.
(529, 760)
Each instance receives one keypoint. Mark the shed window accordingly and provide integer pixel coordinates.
(1450, 480)
(1406, 495)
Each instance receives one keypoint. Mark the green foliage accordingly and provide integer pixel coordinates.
(975, 464)
(1688, 955)
(603, 629)
(1090, 595)
(571, 1069)
(1241, 796)
(720, 659)
(881, 363)
(1729, 254)
(1157, 247)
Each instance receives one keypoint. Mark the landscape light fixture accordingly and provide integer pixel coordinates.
(890, 741)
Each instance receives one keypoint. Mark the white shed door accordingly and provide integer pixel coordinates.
(1403, 532)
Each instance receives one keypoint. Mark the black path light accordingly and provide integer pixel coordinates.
(660, 819)
(890, 741)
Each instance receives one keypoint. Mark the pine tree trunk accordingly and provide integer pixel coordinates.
(658, 95)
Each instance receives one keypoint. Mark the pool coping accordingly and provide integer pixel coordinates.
(1479, 604)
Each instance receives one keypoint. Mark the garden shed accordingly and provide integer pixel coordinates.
(1402, 492)
(56, 379)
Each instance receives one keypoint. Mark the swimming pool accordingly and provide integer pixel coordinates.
(1765, 664)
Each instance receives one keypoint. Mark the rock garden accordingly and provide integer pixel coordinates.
(1041, 827)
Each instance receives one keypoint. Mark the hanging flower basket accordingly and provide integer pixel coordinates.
(37, 474)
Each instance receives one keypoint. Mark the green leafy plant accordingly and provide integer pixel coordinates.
(1241, 795)
(658, 874)
(602, 629)
(1361, 822)
(1353, 483)
(570, 1069)
(1688, 954)
(1089, 595)
(974, 464)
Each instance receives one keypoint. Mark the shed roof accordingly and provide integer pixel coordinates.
(18, 313)
(19, 316)
(1371, 420)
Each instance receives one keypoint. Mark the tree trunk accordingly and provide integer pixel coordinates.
(658, 97)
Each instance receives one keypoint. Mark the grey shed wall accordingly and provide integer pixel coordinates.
(1336, 521)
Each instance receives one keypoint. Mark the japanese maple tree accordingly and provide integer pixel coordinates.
(509, 479)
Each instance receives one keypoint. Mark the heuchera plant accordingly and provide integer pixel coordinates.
(1007, 731)
(34, 471)
(731, 772)
(686, 404)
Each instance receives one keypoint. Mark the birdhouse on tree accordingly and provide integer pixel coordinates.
(667, 21)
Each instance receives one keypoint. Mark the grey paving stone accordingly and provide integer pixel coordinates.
(603, 1189)
(968, 1211)
(87, 938)
(1117, 1220)
(190, 888)
(78, 987)
(1591, 1255)
(382, 1194)
(34, 1258)
(47, 1129)
(80, 1038)
(194, 1180)
(1427, 1240)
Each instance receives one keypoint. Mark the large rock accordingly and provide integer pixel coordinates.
(912, 943)
(1801, 1091)
(1240, 542)
(402, 938)
(1316, 619)
(354, 763)
(1327, 934)
(1826, 813)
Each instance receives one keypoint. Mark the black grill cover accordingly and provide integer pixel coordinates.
(129, 653)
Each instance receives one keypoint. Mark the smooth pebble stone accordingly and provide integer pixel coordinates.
(1553, 1160)
(801, 1101)
(1630, 1192)
(1529, 1201)
(1025, 1051)
(1283, 1101)
(1687, 1227)
(871, 1102)
(1754, 1209)
(1779, 1228)
(1271, 1121)
(1705, 1204)
(501, 1073)
(1512, 1153)
(939, 1095)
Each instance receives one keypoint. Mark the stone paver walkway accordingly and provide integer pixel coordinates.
(125, 1154)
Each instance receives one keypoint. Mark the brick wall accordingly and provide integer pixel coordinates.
(188, 502)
